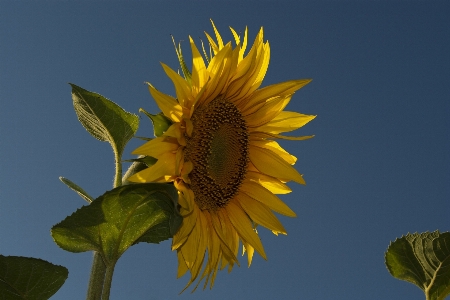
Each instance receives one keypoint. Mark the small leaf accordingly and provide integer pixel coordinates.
(118, 219)
(147, 160)
(138, 165)
(29, 278)
(160, 122)
(77, 189)
(143, 138)
(187, 74)
(424, 260)
(104, 119)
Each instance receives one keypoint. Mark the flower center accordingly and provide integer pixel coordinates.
(218, 148)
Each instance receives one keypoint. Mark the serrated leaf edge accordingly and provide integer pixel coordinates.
(432, 235)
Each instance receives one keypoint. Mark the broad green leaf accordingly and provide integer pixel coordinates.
(29, 278)
(160, 122)
(77, 189)
(118, 219)
(161, 231)
(104, 119)
(424, 260)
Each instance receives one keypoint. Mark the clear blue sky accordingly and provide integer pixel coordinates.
(378, 167)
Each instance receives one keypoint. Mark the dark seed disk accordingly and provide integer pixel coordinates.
(218, 148)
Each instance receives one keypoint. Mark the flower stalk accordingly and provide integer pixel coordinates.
(97, 278)
(101, 275)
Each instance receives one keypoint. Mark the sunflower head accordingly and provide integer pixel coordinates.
(220, 152)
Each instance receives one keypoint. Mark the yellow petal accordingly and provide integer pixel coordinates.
(175, 130)
(286, 121)
(218, 37)
(213, 246)
(231, 236)
(186, 197)
(189, 248)
(267, 135)
(244, 228)
(244, 45)
(253, 78)
(256, 74)
(193, 250)
(179, 161)
(165, 166)
(264, 196)
(237, 39)
(271, 164)
(219, 70)
(199, 74)
(276, 90)
(189, 127)
(182, 268)
(188, 166)
(250, 251)
(260, 213)
(183, 233)
(251, 167)
(198, 99)
(182, 88)
(272, 184)
(168, 105)
(214, 67)
(200, 246)
(266, 112)
(276, 148)
(212, 43)
(241, 74)
(234, 62)
(157, 147)
(221, 230)
(264, 66)
(213, 278)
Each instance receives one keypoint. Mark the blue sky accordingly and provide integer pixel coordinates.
(378, 167)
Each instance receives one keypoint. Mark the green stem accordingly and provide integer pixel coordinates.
(118, 175)
(97, 278)
(108, 281)
(101, 276)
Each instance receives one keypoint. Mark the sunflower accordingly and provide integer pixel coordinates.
(220, 152)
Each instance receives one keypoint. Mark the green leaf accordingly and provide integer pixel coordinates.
(147, 160)
(144, 138)
(187, 74)
(104, 119)
(138, 165)
(77, 189)
(29, 278)
(118, 219)
(160, 122)
(424, 260)
(161, 231)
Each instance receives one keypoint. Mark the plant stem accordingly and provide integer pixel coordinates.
(108, 280)
(118, 175)
(110, 268)
(98, 289)
(97, 278)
